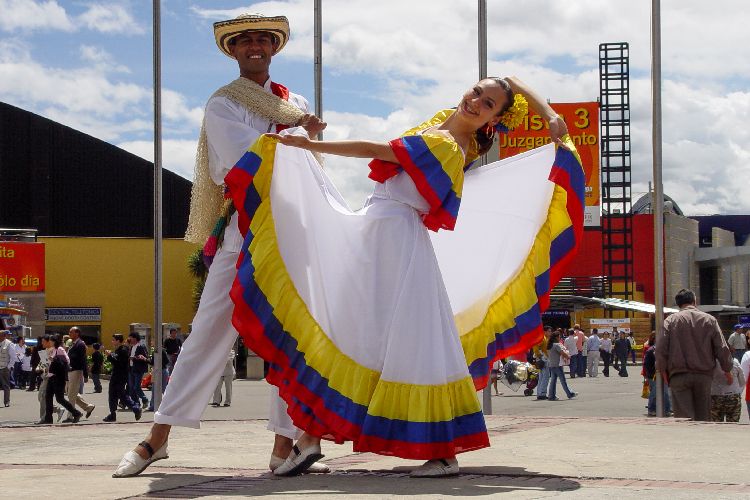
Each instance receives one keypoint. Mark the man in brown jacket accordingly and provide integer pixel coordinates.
(686, 355)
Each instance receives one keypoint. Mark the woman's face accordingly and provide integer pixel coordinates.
(482, 103)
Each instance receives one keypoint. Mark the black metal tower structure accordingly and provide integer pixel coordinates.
(617, 221)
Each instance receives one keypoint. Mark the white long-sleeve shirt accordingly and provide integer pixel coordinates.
(719, 386)
(231, 130)
(745, 364)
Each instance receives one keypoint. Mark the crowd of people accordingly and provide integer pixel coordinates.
(582, 354)
(717, 369)
(58, 367)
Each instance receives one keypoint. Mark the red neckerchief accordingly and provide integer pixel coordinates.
(280, 91)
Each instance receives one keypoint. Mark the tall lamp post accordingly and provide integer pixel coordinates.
(158, 333)
(482, 42)
(318, 62)
(658, 199)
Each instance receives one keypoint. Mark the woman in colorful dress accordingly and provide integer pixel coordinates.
(355, 318)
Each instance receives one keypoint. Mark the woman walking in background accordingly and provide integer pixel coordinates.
(57, 376)
(555, 351)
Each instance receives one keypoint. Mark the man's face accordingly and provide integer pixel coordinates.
(73, 334)
(253, 51)
(173, 333)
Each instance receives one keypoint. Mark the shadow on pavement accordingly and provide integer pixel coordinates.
(472, 482)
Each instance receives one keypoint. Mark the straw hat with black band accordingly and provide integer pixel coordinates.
(225, 31)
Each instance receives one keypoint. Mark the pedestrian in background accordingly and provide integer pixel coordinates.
(45, 350)
(172, 346)
(164, 375)
(631, 352)
(622, 348)
(615, 337)
(605, 350)
(726, 393)
(57, 377)
(737, 342)
(649, 373)
(26, 369)
(7, 361)
(78, 365)
(97, 364)
(686, 356)
(543, 365)
(593, 344)
(555, 351)
(226, 379)
(139, 359)
(17, 378)
(35, 358)
(581, 346)
(571, 345)
(120, 359)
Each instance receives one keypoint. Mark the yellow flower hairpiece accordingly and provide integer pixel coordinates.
(514, 115)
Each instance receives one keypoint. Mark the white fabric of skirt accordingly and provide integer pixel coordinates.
(369, 278)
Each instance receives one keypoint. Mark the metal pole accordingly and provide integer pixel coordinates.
(482, 49)
(318, 62)
(658, 199)
(157, 370)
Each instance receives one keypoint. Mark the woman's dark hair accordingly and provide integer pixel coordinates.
(28, 351)
(96, 346)
(56, 339)
(553, 339)
(483, 135)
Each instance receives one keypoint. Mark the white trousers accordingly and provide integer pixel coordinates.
(204, 354)
(592, 360)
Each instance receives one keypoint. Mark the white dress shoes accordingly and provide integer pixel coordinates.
(316, 468)
(443, 467)
(299, 461)
(133, 464)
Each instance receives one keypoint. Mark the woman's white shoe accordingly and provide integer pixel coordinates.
(443, 467)
(133, 464)
(316, 468)
(299, 461)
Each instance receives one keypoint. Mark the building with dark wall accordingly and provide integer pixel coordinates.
(63, 182)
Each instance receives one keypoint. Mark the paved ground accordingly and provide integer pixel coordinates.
(597, 446)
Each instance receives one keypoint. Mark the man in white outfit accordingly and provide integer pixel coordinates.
(233, 121)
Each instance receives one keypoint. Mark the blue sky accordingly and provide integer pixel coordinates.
(390, 64)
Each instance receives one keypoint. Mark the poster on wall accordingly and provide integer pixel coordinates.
(610, 324)
(582, 119)
(21, 267)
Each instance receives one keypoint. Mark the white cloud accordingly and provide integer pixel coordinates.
(101, 59)
(29, 15)
(176, 110)
(110, 18)
(177, 155)
(87, 98)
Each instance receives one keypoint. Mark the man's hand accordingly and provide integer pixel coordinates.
(312, 124)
